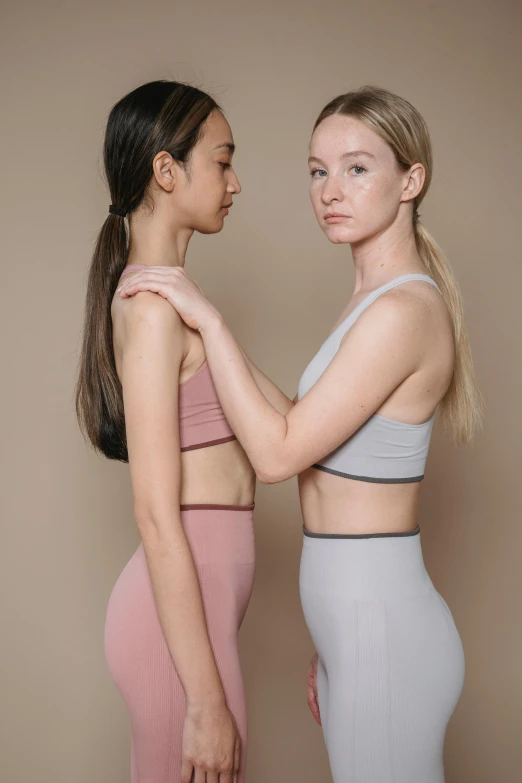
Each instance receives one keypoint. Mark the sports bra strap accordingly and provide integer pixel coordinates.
(373, 295)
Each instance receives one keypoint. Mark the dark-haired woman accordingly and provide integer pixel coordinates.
(390, 666)
(145, 395)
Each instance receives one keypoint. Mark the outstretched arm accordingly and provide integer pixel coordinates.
(270, 391)
(381, 350)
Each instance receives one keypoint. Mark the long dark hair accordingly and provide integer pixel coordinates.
(157, 116)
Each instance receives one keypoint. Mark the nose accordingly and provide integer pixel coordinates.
(233, 183)
(331, 190)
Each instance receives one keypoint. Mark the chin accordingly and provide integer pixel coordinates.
(339, 235)
(211, 226)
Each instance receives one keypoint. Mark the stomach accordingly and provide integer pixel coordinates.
(220, 475)
(333, 504)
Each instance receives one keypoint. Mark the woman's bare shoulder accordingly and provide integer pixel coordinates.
(144, 309)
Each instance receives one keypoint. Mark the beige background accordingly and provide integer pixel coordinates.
(67, 527)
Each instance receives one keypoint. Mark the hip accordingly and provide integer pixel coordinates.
(364, 594)
(221, 541)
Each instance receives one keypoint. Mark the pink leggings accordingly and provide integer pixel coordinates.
(221, 539)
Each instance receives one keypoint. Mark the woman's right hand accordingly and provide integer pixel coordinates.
(174, 285)
(211, 746)
(313, 699)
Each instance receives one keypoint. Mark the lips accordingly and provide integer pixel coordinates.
(335, 217)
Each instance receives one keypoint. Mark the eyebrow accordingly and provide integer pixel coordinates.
(347, 155)
(228, 144)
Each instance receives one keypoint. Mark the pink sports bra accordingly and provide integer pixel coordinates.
(201, 419)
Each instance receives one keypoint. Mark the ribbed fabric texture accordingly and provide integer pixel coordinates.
(382, 449)
(391, 662)
(201, 418)
(222, 545)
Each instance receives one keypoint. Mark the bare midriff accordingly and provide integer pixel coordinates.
(219, 474)
(334, 504)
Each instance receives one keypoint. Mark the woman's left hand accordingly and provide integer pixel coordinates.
(312, 695)
(173, 283)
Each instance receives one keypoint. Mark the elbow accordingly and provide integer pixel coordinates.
(146, 525)
(154, 528)
(265, 477)
(271, 474)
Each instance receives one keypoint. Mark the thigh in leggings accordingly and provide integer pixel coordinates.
(391, 662)
(222, 544)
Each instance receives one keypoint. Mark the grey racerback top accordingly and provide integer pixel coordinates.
(382, 450)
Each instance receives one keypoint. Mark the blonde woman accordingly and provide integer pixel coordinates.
(389, 667)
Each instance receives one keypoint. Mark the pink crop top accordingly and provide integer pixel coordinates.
(201, 419)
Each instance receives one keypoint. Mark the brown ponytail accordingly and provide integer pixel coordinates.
(99, 400)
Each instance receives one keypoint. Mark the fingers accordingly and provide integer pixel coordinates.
(146, 284)
(165, 274)
(311, 691)
(186, 771)
(200, 775)
(213, 777)
(312, 704)
(314, 709)
(237, 756)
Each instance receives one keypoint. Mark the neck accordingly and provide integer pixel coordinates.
(156, 241)
(385, 256)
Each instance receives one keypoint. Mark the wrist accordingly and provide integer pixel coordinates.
(211, 321)
(201, 705)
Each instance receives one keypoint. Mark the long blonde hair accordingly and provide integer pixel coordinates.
(401, 126)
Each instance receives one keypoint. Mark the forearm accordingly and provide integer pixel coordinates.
(181, 613)
(270, 390)
(259, 427)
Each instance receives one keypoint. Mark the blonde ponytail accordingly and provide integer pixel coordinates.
(462, 406)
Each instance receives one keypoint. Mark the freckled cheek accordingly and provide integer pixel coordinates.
(363, 197)
(315, 197)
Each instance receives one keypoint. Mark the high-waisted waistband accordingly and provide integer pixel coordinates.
(214, 507)
(413, 532)
(380, 566)
(219, 533)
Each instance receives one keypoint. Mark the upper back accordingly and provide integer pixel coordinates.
(382, 449)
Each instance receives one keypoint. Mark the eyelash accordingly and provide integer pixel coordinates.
(353, 166)
(225, 165)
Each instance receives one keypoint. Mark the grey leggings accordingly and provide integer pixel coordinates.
(391, 662)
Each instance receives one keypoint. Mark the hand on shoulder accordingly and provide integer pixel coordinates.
(150, 309)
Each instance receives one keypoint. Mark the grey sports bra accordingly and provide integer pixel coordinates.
(382, 450)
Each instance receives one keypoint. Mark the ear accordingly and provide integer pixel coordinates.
(165, 170)
(414, 182)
